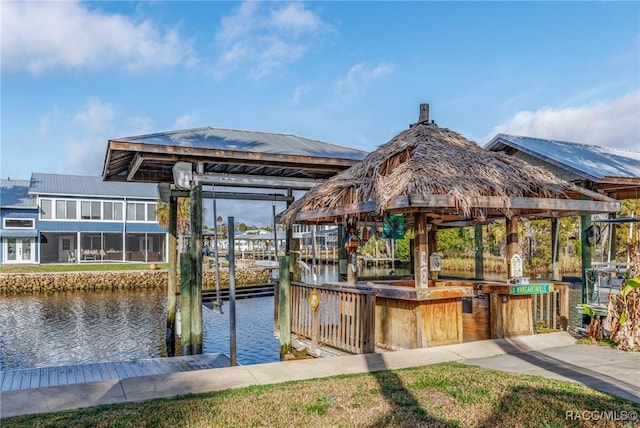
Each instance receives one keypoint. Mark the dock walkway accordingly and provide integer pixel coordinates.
(13, 380)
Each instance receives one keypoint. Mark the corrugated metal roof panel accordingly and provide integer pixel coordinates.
(247, 141)
(15, 194)
(588, 161)
(79, 185)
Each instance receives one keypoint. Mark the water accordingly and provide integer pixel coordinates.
(45, 330)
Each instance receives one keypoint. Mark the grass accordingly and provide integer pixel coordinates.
(74, 267)
(439, 395)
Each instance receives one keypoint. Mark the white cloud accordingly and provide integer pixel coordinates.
(361, 74)
(85, 136)
(95, 116)
(186, 121)
(40, 36)
(298, 93)
(296, 18)
(264, 37)
(610, 123)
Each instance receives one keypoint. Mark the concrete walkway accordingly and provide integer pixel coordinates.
(552, 355)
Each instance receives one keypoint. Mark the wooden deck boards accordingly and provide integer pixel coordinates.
(91, 372)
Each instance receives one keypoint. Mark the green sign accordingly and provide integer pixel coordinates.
(531, 289)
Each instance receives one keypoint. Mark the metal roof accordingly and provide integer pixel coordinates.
(611, 170)
(89, 186)
(15, 194)
(225, 153)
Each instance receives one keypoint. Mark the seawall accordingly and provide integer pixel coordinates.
(19, 283)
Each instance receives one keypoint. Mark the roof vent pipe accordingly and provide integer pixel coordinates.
(424, 113)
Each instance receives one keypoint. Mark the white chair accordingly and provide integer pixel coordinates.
(72, 256)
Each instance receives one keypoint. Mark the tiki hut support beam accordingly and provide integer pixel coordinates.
(352, 269)
(343, 259)
(421, 251)
(513, 246)
(555, 265)
(432, 243)
(479, 244)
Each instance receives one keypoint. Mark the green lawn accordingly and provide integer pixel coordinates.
(440, 395)
(74, 267)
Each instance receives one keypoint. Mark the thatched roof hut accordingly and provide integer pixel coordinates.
(437, 171)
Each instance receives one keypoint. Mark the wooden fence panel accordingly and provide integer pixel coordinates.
(345, 317)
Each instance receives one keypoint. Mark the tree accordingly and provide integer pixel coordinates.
(184, 218)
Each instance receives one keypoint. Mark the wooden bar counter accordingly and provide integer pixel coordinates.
(510, 307)
(409, 317)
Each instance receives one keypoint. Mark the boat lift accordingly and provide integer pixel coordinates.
(606, 278)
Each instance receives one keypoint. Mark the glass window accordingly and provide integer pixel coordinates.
(151, 212)
(72, 210)
(131, 211)
(85, 210)
(107, 211)
(61, 210)
(117, 210)
(66, 210)
(95, 210)
(112, 211)
(18, 223)
(137, 211)
(46, 212)
(90, 210)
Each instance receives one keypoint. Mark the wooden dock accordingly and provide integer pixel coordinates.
(91, 372)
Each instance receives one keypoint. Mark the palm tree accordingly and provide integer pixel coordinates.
(184, 218)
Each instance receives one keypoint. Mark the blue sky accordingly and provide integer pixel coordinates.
(76, 74)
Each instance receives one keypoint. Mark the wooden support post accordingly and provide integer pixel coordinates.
(432, 243)
(172, 285)
(513, 246)
(352, 270)
(196, 268)
(296, 273)
(479, 255)
(421, 250)
(185, 303)
(555, 259)
(432, 240)
(284, 308)
(343, 258)
(564, 306)
(315, 329)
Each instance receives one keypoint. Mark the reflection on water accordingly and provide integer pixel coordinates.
(64, 328)
(255, 340)
(61, 328)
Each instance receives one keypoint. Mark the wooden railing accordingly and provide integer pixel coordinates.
(551, 310)
(344, 318)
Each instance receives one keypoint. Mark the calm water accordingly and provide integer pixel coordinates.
(65, 328)
(79, 327)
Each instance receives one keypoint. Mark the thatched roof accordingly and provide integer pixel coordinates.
(436, 170)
